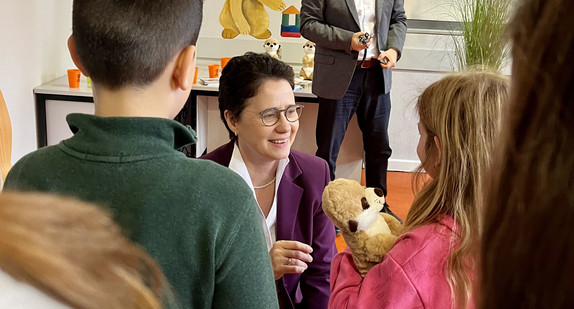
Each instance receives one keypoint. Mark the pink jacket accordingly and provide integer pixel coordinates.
(411, 275)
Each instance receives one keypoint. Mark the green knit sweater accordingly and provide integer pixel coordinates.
(197, 219)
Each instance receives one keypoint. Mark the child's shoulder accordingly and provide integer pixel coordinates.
(208, 175)
(429, 242)
(35, 160)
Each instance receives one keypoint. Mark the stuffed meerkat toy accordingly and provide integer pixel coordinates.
(355, 210)
(272, 48)
(308, 61)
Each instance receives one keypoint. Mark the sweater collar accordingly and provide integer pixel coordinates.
(125, 136)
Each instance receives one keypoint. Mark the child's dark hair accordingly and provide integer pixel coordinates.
(241, 78)
(130, 42)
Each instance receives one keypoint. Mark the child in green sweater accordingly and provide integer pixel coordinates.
(199, 220)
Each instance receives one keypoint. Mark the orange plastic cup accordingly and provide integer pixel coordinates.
(213, 70)
(224, 61)
(195, 75)
(74, 78)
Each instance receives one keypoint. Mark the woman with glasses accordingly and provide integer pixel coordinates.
(257, 106)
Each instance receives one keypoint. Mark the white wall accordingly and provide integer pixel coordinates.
(33, 50)
(430, 9)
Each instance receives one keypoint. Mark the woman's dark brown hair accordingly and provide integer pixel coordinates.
(527, 246)
(241, 79)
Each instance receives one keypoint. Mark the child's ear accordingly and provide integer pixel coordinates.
(438, 151)
(185, 68)
(74, 55)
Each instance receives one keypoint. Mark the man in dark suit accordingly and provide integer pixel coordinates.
(353, 74)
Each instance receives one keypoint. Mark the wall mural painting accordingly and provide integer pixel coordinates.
(247, 17)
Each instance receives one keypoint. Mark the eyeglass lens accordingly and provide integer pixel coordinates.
(271, 116)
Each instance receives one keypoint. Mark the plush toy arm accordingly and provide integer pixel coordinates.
(307, 61)
(371, 251)
(378, 246)
(394, 225)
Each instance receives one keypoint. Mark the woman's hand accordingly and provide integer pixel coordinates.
(289, 257)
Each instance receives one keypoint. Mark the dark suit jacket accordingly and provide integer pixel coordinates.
(300, 217)
(331, 25)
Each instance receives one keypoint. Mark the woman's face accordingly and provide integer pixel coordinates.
(428, 160)
(259, 143)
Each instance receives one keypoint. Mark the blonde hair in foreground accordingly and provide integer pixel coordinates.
(75, 253)
(463, 110)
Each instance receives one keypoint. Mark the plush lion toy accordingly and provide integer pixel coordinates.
(355, 210)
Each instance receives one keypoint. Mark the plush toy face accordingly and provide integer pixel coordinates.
(372, 203)
(271, 45)
(309, 47)
(355, 210)
(350, 206)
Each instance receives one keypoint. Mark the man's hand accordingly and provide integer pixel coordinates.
(388, 58)
(356, 44)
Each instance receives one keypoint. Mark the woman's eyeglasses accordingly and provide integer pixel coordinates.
(270, 116)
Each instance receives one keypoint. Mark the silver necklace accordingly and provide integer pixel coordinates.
(265, 185)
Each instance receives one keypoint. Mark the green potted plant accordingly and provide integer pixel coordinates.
(480, 42)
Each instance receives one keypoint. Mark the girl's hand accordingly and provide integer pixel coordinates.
(289, 257)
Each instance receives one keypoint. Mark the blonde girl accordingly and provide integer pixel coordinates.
(431, 264)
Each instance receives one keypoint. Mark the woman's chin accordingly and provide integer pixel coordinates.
(279, 154)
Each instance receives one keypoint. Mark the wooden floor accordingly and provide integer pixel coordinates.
(400, 197)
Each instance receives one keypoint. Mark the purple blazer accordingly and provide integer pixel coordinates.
(300, 217)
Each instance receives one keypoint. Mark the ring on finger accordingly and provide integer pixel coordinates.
(289, 261)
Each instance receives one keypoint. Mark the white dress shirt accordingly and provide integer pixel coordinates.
(367, 20)
(237, 164)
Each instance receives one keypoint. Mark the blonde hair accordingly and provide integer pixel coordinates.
(75, 253)
(463, 110)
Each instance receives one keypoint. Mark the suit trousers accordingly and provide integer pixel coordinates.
(365, 96)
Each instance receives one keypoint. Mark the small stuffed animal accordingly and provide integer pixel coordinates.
(308, 61)
(272, 48)
(355, 210)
